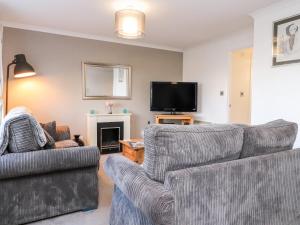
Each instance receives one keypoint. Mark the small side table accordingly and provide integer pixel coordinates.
(134, 154)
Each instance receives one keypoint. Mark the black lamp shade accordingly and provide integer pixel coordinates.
(22, 67)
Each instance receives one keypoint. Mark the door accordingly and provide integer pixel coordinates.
(240, 87)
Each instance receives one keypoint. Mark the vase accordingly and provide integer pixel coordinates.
(78, 140)
(109, 109)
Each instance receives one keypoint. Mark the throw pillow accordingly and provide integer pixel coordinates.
(50, 128)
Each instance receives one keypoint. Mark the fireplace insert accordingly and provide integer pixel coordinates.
(108, 136)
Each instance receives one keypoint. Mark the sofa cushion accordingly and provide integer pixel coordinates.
(66, 144)
(21, 137)
(62, 133)
(173, 147)
(275, 136)
(50, 128)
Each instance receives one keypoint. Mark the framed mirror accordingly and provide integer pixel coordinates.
(104, 81)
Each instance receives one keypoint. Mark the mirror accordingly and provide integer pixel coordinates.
(102, 81)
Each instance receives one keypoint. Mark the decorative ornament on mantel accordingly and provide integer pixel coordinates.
(78, 140)
(109, 106)
(130, 23)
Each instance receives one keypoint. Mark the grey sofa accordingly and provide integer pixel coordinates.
(210, 175)
(39, 184)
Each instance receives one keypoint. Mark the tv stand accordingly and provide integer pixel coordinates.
(184, 119)
(171, 113)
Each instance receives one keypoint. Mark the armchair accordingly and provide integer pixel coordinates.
(37, 183)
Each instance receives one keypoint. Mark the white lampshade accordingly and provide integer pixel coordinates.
(130, 23)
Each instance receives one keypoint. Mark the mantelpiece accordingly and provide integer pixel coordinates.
(93, 119)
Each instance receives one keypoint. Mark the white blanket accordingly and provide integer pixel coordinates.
(20, 113)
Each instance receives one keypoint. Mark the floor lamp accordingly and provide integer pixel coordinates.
(22, 69)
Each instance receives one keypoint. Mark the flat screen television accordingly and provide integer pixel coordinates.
(173, 96)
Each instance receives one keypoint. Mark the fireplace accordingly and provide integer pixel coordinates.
(108, 136)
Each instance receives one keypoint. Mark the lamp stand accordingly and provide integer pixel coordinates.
(6, 87)
(22, 69)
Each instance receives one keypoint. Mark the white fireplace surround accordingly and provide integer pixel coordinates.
(93, 119)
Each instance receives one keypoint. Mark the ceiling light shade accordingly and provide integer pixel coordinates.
(130, 23)
(22, 67)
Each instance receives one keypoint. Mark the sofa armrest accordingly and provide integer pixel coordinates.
(45, 161)
(262, 190)
(63, 133)
(149, 196)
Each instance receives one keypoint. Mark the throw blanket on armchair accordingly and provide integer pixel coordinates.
(19, 114)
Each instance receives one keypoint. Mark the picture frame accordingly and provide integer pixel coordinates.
(286, 41)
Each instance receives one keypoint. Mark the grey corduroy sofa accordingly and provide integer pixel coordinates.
(40, 184)
(210, 175)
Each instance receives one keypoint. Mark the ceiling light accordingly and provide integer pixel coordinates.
(130, 23)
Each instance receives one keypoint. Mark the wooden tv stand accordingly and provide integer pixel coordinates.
(185, 119)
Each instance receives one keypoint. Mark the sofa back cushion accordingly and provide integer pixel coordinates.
(21, 137)
(272, 137)
(173, 147)
(63, 133)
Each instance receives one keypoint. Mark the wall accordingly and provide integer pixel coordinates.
(209, 64)
(55, 94)
(1, 73)
(275, 90)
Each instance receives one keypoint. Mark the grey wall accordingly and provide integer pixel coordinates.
(56, 93)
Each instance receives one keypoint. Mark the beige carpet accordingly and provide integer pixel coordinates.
(94, 217)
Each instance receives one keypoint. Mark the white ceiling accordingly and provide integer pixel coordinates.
(174, 24)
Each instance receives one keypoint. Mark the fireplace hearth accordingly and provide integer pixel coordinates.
(108, 136)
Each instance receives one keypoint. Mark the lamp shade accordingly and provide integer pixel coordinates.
(130, 23)
(22, 67)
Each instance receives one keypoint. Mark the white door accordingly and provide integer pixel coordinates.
(240, 87)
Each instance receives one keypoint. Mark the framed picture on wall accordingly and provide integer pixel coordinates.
(286, 41)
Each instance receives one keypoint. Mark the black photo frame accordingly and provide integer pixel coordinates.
(286, 41)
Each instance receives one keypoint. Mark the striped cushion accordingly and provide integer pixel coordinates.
(173, 147)
(21, 137)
